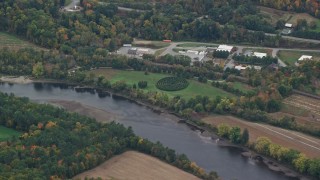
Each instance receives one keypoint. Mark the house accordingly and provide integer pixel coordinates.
(288, 25)
(240, 67)
(127, 45)
(287, 29)
(243, 67)
(225, 48)
(258, 68)
(305, 57)
(132, 51)
(259, 55)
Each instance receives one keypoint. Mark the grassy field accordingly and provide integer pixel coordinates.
(132, 165)
(159, 52)
(67, 2)
(6, 133)
(307, 17)
(273, 15)
(290, 57)
(133, 77)
(13, 42)
(242, 87)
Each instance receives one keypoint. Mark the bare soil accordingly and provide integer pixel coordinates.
(290, 139)
(92, 112)
(275, 14)
(308, 121)
(20, 79)
(134, 165)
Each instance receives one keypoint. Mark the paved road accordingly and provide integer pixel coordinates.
(169, 49)
(130, 9)
(124, 8)
(295, 38)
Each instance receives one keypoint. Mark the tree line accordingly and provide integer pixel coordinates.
(59, 144)
(100, 26)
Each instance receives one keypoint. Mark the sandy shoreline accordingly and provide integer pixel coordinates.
(82, 109)
(15, 79)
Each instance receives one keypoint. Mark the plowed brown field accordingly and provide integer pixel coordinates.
(291, 139)
(134, 166)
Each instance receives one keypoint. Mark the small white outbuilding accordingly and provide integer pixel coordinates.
(305, 57)
(260, 55)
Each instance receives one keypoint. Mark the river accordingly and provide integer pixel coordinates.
(226, 161)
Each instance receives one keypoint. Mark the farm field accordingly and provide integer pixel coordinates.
(290, 57)
(273, 15)
(13, 42)
(290, 139)
(133, 77)
(132, 165)
(302, 102)
(7, 133)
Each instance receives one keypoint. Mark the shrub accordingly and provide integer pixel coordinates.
(142, 84)
(172, 84)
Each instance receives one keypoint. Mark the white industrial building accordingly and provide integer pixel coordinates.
(259, 55)
(225, 48)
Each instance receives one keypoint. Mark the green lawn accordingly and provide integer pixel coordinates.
(6, 133)
(318, 26)
(67, 2)
(242, 87)
(290, 57)
(13, 42)
(195, 88)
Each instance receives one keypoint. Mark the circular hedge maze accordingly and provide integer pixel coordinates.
(172, 84)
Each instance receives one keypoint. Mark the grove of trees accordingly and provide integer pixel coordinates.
(56, 144)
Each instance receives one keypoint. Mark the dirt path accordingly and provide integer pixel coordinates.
(291, 139)
(99, 114)
(134, 165)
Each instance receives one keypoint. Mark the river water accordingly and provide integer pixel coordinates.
(227, 162)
